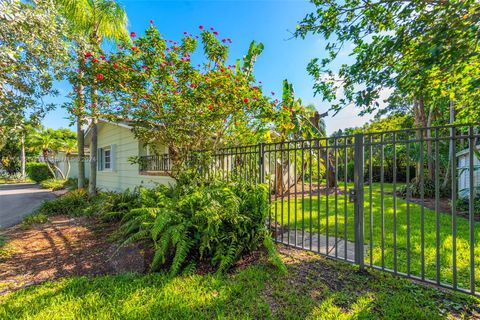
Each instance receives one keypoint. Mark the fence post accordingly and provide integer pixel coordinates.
(359, 199)
(261, 162)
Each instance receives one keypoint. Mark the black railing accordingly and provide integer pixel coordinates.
(400, 201)
(155, 163)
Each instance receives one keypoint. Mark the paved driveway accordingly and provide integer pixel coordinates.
(18, 200)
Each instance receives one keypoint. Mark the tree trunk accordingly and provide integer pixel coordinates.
(430, 160)
(451, 146)
(22, 156)
(47, 162)
(279, 178)
(92, 184)
(80, 132)
(67, 160)
(419, 118)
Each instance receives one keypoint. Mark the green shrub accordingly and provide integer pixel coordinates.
(72, 183)
(186, 224)
(53, 184)
(113, 206)
(462, 204)
(73, 203)
(34, 219)
(38, 171)
(217, 223)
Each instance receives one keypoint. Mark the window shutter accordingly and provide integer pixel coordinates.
(113, 157)
(100, 159)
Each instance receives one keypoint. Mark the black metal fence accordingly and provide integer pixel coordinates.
(155, 163)
(403, 201)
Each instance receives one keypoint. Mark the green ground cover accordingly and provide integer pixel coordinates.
(313, 288)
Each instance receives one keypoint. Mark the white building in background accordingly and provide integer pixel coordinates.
(463, 171)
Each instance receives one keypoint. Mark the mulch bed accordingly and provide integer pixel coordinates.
(64, 246)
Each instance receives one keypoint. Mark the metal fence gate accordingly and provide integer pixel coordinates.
(403, 201)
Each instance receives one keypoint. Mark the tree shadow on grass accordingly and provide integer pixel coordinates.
(320, 288)
(314, 287)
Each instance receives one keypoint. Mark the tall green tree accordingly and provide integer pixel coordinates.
(422, 50)
(173, 102)
(92, 22)
(33, 52)
(32, 56)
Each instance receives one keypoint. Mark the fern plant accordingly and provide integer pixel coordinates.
(189, 223)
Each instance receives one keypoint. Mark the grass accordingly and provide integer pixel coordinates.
(34, 218)
(298, 213)
(53, 184)
(313, 289)
(5, 251)
(12, 180)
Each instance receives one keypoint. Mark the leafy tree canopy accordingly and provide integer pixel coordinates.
(33, 53)
(172, 101)
(420, 49)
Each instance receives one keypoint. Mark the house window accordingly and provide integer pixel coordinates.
(106, 158)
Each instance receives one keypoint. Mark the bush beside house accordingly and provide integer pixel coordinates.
(38, 171)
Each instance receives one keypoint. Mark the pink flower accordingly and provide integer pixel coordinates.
(200, 27)
(215, 33)
(224, 40)
(211, 28)
(229, 40)
(88, 54)
(273, 93)
(152, 22)
(133, 34)
(185, 32)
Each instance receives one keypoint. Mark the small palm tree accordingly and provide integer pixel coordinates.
(68, 147)
(48, 141)
(92, 21)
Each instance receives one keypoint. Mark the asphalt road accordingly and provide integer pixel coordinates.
(19, 200)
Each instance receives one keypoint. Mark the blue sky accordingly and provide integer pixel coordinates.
(269, 21)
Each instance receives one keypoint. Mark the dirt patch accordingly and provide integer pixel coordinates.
(64, 246)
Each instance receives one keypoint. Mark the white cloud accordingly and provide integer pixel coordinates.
(349, 116)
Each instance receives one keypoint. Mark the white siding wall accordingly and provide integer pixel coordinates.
(464, 174)
(124, 174)
(74, 168)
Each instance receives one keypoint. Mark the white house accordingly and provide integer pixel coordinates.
(115, 170)
(463, 164)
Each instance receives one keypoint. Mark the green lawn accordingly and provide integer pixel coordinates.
(310, 221)
(313, 288)
(5, 180)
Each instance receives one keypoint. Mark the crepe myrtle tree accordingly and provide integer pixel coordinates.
(172, 101)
